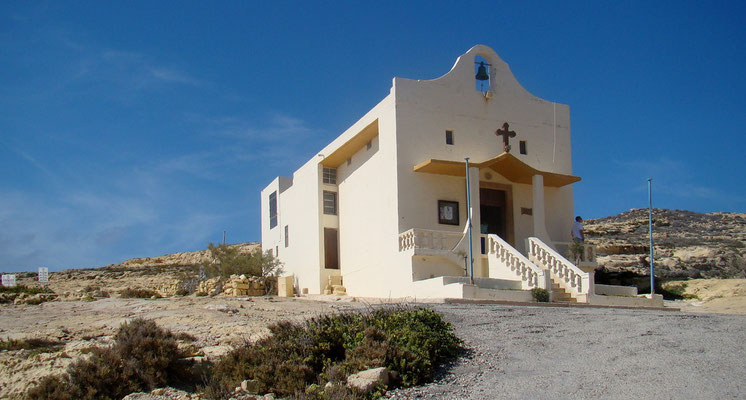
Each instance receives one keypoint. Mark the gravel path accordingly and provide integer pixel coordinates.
(582, 353)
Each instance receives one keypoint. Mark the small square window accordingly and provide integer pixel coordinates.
(449, 137)
(448, 212)
(522, 144)
(330, 176)
(330, 203)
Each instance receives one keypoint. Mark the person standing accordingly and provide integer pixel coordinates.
(578, 237)
(577, 232)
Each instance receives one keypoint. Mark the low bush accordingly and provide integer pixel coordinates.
(540, 295)
(37, 345)
(24, 289)
(675, 292)
(143, 357)
(26, 293)
(299, 359)
(138, 293)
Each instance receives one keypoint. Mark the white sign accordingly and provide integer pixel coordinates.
(9, 280)
(43, 274)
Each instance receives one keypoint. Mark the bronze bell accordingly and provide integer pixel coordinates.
(482, 72)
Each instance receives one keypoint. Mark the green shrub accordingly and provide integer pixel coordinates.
(411, 342)
(9, 294)
(138, 293)
(675, 292)
(24, 289)
(143, 357)
(540, 295)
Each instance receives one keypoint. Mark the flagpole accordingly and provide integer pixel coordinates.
(650, 230)
(468, 221)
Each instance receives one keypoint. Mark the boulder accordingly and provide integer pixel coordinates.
(368, 379)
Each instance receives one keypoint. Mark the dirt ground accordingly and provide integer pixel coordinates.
(219, 322)
(533, 352)
(723, 296)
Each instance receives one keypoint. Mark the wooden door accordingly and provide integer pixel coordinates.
(331, 248)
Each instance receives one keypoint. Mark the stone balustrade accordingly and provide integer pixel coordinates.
(502, 255)
(428, 239)
(585, 258)
(575, 280)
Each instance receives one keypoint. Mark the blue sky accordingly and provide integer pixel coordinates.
(132, 129)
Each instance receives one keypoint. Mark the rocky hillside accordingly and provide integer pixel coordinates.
(686, 244)
(161, 274)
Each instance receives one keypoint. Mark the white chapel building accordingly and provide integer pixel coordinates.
(382, 209)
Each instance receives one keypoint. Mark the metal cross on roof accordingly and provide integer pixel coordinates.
(506, 134)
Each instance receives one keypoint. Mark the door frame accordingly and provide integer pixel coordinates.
(508, 189)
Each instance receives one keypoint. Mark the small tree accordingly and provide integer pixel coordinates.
(576, 251)
(229, 260)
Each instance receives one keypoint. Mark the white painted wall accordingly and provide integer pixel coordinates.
(380, 196)
(426, 109)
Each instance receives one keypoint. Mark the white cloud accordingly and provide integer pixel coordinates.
(33, 161)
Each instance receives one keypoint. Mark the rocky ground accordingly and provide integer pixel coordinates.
(686, 244)
(513, 351)
(590, 353)
(217, 323)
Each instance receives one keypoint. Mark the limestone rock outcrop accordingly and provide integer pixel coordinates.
(686, 244)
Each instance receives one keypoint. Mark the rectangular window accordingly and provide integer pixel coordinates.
(449, 137)
(448, 212)
(272, 210)
(523, 147)
(330, 203)
(330, 176)
(287, 240)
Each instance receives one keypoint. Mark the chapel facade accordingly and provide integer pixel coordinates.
(382, 210)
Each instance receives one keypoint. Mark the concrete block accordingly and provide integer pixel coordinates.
(285, 286)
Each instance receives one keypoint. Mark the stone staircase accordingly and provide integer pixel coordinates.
(560, 295)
